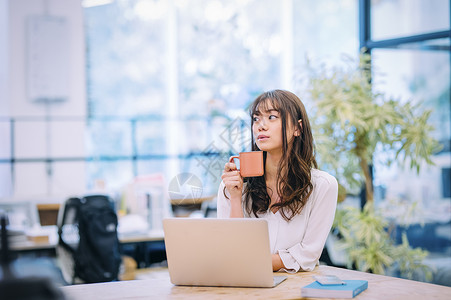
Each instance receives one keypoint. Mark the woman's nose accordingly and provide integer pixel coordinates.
(261, 125)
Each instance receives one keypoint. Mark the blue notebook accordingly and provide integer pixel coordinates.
(350, 289)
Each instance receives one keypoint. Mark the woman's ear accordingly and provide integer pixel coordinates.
(297, 132)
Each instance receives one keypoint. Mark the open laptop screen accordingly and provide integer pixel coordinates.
(218, 252)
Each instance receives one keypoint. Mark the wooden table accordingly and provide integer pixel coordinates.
(160, 287)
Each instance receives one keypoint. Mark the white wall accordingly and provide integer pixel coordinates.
(19, 10)
(3, 59)
(34, 137)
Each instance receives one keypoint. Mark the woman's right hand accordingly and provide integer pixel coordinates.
(233, 182)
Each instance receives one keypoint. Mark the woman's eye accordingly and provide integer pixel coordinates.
(271, 117)
(255, 119)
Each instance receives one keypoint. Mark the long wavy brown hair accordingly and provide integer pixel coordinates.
(294, 185)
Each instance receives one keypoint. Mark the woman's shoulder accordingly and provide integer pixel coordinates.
(322, 177)
(325, 187)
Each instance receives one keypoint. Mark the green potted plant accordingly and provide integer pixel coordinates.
(369, 247)
(350, 121)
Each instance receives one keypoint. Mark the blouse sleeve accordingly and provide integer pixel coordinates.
(305, 254)
(223, 205)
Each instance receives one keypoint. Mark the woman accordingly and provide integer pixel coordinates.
(296, 198)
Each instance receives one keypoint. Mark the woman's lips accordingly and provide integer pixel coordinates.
(262, 137)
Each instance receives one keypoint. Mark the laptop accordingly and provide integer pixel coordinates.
(219, 252)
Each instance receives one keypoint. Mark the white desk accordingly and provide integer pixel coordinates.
(52, 231)
(27, 245)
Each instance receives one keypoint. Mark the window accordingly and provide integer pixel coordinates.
(169, 80)
(410, 46)
(400, 18)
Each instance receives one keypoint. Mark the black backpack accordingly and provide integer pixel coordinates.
(96, 256)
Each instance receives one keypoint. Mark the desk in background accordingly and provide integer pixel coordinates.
(160, 287)
(143, 246)
(152, 235)
(185, 206)
(37, 249)
(48, 248)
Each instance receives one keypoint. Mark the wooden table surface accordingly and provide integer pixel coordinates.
(158, 286)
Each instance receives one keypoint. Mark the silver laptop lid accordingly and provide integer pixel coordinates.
(218, 252)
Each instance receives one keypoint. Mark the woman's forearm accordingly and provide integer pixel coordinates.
(236, 211)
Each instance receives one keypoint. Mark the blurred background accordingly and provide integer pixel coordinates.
(96, 95)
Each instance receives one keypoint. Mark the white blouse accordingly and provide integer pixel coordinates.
(300, 241)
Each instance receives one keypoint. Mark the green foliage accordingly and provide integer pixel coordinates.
(351, 120)
(411, 260)
(369, 246)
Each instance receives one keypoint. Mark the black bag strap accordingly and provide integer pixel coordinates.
(71, 209)
(5, 259)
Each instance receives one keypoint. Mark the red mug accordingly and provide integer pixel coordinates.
(251, 163)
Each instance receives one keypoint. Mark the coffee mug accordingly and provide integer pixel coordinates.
(251, 163)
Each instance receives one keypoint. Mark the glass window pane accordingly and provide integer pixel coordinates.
(398, 18)
(193, 134)
(126, 57)
(114, 174)
(325, 30)
(414, 76)
(151, 166)
(208, 169)
(151, 137)
(109, 138)
(228, 51)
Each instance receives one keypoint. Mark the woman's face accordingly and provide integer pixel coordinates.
(267, 129)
